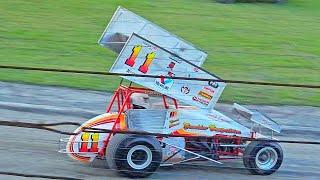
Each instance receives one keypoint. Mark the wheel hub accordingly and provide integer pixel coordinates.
(266, 158)
(139, 157)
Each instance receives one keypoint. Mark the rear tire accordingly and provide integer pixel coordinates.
(134, 156)
(263, 157)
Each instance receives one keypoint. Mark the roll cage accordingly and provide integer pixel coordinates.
(121, 98)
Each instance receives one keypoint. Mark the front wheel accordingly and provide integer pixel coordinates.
(134, 155)
(263, 157)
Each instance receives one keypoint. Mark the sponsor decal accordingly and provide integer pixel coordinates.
(208, 89)
(210, 127)
(170, 67)
(187, 125)
(185, 89)
(196, 69)
(173, 119)
(213, 127)
(205, 95)
(164, 83)
(202, 101)
(213, 84)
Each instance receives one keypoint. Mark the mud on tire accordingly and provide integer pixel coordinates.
(134, 156)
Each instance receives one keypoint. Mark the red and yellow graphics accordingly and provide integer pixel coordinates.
(131, 61)
(85, 139)
(135, 52)
(205, 95)
(85, 146)
(145, 66)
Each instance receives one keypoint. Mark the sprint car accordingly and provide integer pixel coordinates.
(197, 135)
(164, 120)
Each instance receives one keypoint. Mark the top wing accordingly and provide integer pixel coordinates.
(141, 56)
(124, 23)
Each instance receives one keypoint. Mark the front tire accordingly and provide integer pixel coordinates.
(263, 157)
(134, 156)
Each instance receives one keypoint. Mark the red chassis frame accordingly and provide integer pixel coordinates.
(122, 96)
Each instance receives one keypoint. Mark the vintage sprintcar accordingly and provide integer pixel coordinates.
(179, 114)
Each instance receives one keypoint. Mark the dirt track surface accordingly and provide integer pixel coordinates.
(35, 151)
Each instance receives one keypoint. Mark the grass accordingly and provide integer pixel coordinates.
(256, 42)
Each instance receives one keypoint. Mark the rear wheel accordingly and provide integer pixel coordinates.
(134, 155)
(263, 157)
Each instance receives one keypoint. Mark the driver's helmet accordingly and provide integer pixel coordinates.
(140, 101)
